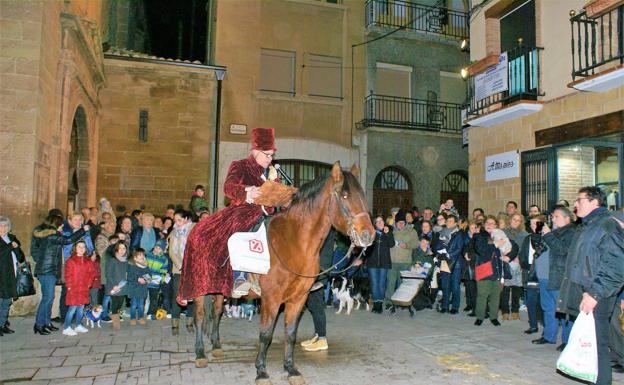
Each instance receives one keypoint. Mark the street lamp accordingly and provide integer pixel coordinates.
(464, 73)
(464, 46)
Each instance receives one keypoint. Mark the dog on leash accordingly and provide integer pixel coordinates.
(94, 316)
(350, 291)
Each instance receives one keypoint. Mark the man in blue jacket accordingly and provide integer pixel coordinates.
(451, 279)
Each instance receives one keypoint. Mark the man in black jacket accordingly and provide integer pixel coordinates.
(558, 241)
(594, 272)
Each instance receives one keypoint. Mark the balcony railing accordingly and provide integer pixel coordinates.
(417, 17)
(597, 41)
(523, 82)
(415, 114)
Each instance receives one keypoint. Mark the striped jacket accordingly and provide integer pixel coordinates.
(158, 266)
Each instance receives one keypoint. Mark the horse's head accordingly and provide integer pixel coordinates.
(348, 208)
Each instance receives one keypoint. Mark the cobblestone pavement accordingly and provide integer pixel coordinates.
(364, 349)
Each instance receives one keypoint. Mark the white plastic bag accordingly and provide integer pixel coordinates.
(249, 252)
(580, 357)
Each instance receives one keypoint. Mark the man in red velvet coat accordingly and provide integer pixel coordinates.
(205, 269)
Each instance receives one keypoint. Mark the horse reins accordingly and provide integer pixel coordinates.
(352, 234)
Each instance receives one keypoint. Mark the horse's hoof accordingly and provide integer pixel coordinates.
(263, 381)
(218, 353)
(201, 362)
(296, 380)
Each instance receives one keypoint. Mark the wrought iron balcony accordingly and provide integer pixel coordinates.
(597, 42)
(413, 114)
(522, 82)
(417, 17)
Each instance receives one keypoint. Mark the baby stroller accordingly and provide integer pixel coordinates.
(412, 283)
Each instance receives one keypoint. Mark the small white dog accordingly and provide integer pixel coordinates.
(94, 316)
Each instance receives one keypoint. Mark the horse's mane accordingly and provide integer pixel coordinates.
(307, 195)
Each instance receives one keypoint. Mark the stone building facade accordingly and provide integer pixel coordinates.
(566, 135)
(411, 132)
(175, 156)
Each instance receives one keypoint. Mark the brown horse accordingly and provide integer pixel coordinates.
(295, 239)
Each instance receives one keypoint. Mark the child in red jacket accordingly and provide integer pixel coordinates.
(78, 278)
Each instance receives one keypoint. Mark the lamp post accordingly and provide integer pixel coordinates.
(220, 74)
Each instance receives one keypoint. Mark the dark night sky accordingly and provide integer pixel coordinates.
(163, 24)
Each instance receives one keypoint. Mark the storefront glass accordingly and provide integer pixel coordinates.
(589, 164)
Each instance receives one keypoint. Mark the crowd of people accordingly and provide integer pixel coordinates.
(557, 265)
(107, 266)
(554, 265)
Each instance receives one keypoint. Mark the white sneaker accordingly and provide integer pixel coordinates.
(81, 329)
(69, 332)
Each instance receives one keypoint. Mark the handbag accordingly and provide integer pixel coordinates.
(25, 280)
(483, 271)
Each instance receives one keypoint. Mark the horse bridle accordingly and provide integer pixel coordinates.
(352, 232)
(352, 235)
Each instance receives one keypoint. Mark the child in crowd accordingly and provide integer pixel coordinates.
(138, 278)
(158, 265)
(96, 284)
(78, 277)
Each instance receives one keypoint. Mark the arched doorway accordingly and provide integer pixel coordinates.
(455, 187)
(78, 162)
(392, 188)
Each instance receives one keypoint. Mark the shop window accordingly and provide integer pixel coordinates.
(277, 71)
(325, 76)
(588, 165)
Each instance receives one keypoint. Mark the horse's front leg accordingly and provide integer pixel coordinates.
(268, 316)
(217, 312)
(292, 313)
(200, 356)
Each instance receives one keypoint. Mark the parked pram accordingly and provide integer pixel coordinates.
(413, 282)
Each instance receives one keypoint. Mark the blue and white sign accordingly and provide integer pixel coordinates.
(502, 166)
(493, 80)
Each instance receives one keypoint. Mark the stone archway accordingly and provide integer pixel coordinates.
(455, 187)
(392, 188)
(78, 164)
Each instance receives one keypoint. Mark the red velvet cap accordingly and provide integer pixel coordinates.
(263, 139)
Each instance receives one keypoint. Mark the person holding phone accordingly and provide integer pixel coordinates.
(531, 248)
(116, 275)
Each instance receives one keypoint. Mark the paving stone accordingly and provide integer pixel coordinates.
(33, 363)
(97, 370)
(72, 351)
(16, 374)
(108, 349)
(108, 379)
(54, 373)
(24, 353)
(73, 381)
(91, 358)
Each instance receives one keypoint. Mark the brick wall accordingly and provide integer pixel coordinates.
(165, 169)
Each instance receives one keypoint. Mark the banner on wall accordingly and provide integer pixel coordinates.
(493, 80)
(502, 166)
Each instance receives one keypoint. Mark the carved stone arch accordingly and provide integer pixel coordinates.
(79, 161)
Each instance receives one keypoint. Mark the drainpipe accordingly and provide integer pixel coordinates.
(220, 74)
